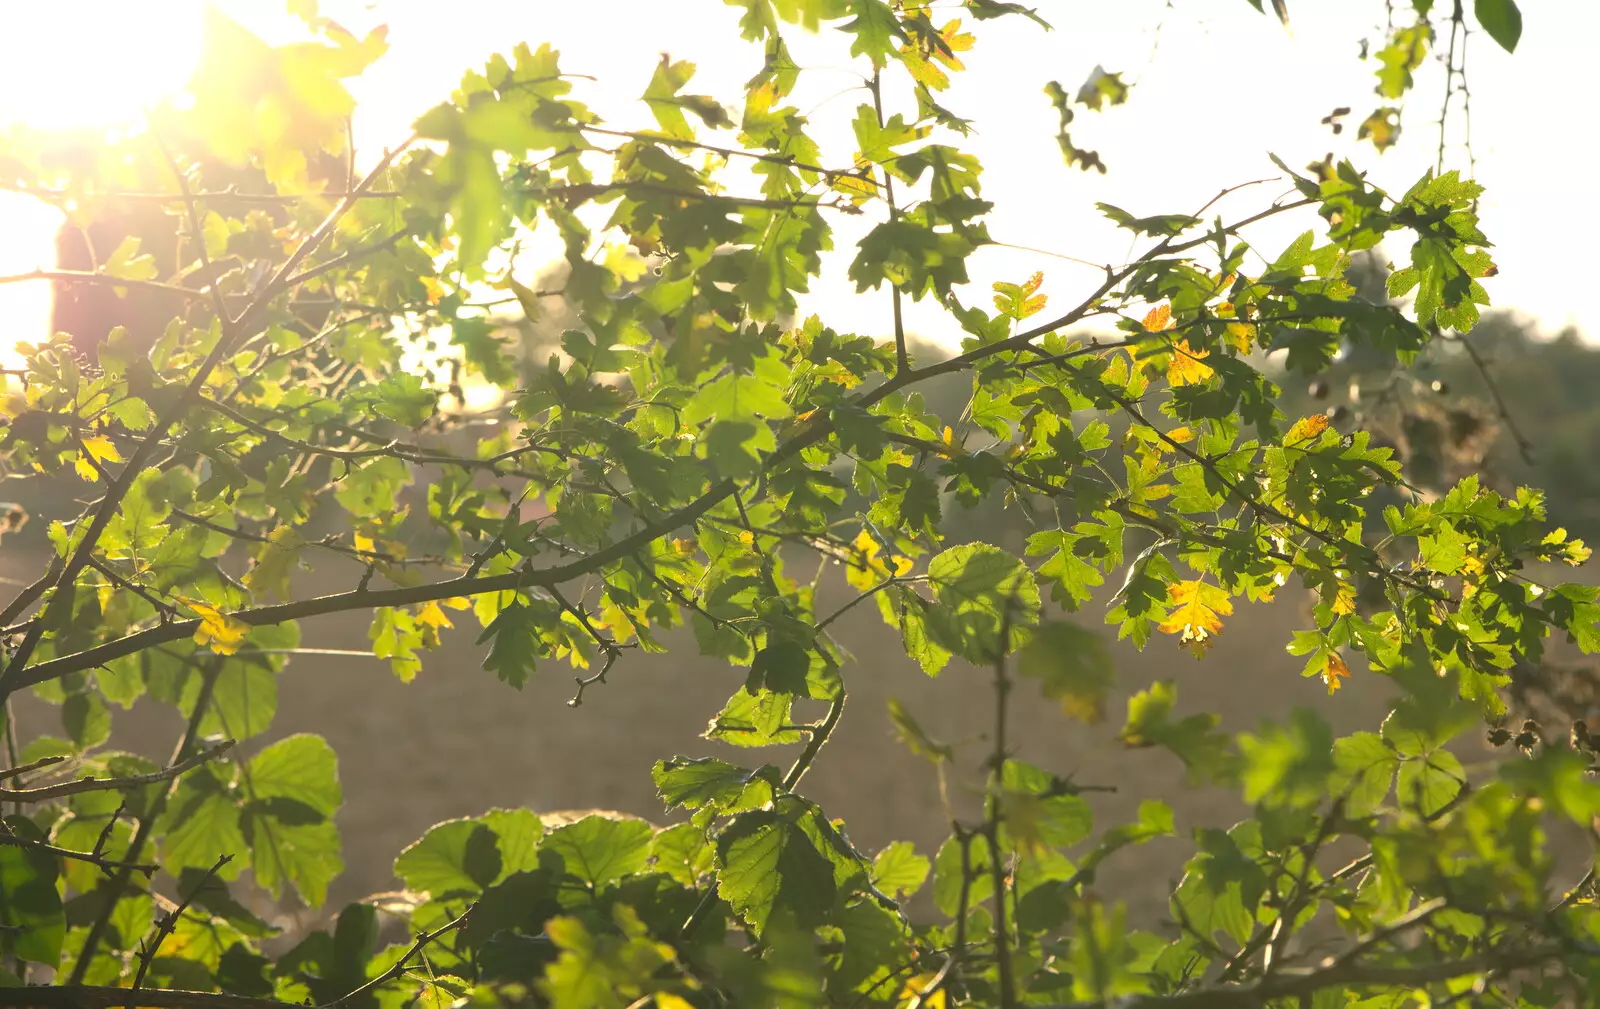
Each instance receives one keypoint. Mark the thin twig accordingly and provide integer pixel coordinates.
(121, 784)
(399, 966)
(202, 706)
(1524, 445)
(164, 927)
(12, 772)
(108, 864)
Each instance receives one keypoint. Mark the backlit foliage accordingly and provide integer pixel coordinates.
(350, 383)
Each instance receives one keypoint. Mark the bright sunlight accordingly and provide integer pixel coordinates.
(77, 64)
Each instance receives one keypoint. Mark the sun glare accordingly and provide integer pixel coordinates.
(70, 65)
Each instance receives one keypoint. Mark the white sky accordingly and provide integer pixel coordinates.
(1226, 86)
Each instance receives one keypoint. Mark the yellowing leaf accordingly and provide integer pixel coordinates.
(921, 58)
(1335, 672)
(948, 439)
(1197, 615)
(860, 185)
(430, 615)
(1186, 367)
(1306, 428)
(1340, 595)
(1025, 815)
(96, 448)
(869, 567)
(917, 987)
(1018, 301)
(1159, 318)
(1573, 551)
(218, 631)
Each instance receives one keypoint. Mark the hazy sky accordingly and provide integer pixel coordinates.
(1215, 90)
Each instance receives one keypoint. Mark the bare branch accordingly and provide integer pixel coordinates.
(121, 784)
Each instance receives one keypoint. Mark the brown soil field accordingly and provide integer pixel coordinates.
(456, 741)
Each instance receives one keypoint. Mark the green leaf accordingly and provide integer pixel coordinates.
(453, 858)
(765, 861)
(947, 875)
(1502, 20)
(1288, 764)
(518, 833)
(898, 870)
(1428, 784)
(1364, 769)
(599, 849)
(125, 262)
(200, 824)
(876, 31)
(910, 732)
(756, 719)
(86, 719)
(372, 491)
(404, 398)
(1192, 739)
(1073, 667)
(294, 793)
(781, 667)
(244, 699)
(33, 922)
(985, 598)
(708, 781)
(515, 633)
(1040, 811)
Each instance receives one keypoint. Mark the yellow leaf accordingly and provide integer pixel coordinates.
(948, 439)
(1343, 601)
(1018, 301)
(430, 615)
(1186, 367)
(916, 987)
(1197, 615)
(1335, 672)
(218, 631)
(1159, 318)
(860, 185)
(622, 261)
(96, 448)
(1306, 428)
(1181, 435)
